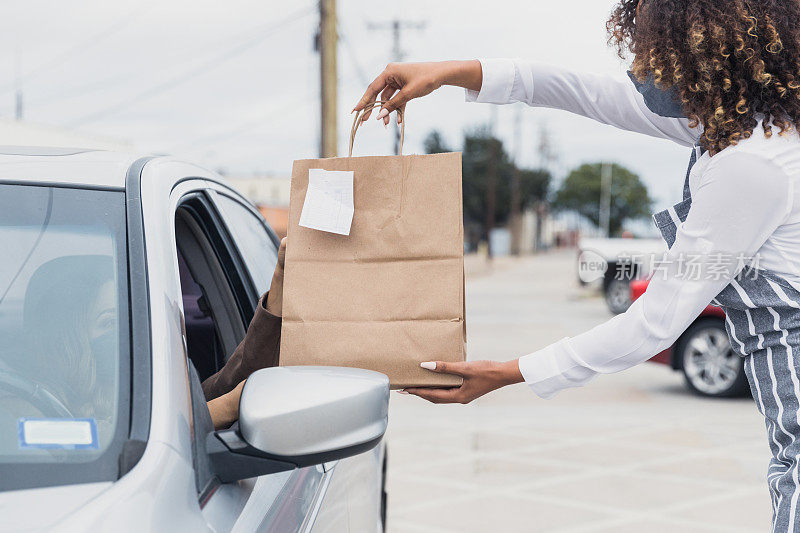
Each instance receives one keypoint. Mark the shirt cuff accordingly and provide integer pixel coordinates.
(262, 307)
(553, 369)
(498, 81)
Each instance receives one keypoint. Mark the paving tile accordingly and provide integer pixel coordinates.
(495, 471)
(500, 514)
(407, 491)
(406, 526)
(623, 491)
(687, 438)
(750, 512)
(722, 468)
(659, 526)
(603, 454)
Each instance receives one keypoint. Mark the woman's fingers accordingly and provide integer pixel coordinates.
(397, 101)
(437, 395)
(371, 94)
(282, 253)
(442, 367)
(386, 95)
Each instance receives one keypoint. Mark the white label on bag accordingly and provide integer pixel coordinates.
(328, 205)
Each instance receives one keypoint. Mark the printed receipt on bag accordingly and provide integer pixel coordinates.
(329, 201)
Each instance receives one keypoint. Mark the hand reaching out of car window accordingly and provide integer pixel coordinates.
(224, 410)
(275, 297)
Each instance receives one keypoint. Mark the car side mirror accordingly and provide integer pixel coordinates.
(291, 417)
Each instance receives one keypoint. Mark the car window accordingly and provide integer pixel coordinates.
(211, 289)
(64, 341)
(250, 236)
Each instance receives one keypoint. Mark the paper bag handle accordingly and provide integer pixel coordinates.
(357, 123)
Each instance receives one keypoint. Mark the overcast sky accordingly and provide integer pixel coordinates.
(234, 85)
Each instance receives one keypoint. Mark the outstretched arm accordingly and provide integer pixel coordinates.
(261, 345)
(605, 99)
(503, 81)
(715, 235)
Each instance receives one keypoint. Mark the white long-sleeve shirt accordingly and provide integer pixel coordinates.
(744, 204)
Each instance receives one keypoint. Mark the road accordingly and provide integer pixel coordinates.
(631, 452)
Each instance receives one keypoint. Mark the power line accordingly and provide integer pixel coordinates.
(243, 127)
(353, 57)
(397, 26)
(289, 106)
(196, 71)
(79, 47)
(112, 81)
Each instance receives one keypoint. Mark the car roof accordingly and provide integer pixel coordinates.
(84, 167)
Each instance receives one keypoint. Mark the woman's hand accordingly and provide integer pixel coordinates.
(225, 409)
(401, 82)
(480, 377)
(275, 296)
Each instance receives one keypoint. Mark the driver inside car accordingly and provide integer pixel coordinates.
(70, 314)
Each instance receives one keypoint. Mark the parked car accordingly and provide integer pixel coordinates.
(124, 282)
(703, 354)
(623, 261)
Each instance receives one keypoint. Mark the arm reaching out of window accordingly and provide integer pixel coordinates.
(261, 345)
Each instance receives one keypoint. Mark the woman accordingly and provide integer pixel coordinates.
(722, 76)
(79, 336)
(70, 320)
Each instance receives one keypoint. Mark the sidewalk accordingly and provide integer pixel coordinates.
(631, 452)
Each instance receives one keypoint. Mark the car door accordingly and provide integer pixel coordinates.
(219, 297)
(349, 497)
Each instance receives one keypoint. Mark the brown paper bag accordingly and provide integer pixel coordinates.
(389, 295)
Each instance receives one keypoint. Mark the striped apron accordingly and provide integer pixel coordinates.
(763, 321)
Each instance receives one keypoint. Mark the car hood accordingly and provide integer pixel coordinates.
(41, 508)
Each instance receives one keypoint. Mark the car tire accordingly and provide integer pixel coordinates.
(617, 293)
(710, 366)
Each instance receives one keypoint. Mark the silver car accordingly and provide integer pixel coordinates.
(124, 282)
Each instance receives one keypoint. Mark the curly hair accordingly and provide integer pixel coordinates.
(728, 60)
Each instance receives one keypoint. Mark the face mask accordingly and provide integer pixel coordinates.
(661, 102)
(104, 349)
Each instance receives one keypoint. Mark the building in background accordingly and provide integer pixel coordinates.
(270, 193)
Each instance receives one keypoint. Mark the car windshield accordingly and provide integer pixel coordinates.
(64, 340)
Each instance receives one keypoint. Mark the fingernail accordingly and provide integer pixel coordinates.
(383, 113)
(430, 365)
(385, 126)
(401, 391)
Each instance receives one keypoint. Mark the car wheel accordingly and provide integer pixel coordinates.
(710, 366)
(618, 295)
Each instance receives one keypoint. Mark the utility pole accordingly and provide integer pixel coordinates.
(18, 110)
(18, 104)
(515, 220)
(491, 183)
(606, 175)
(326, 45)
(396, 26)
(547, 162)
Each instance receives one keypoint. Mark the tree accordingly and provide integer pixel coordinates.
(581, 192)
(476, 153)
